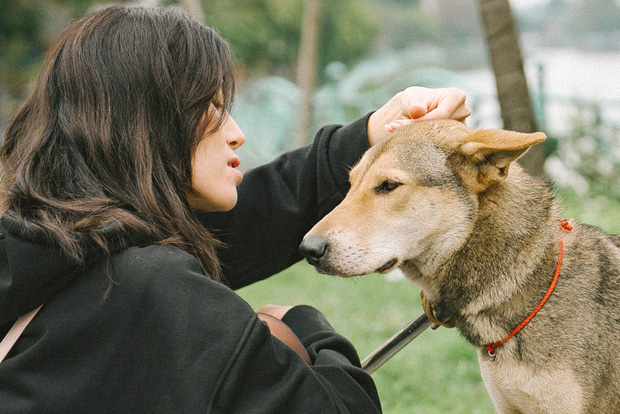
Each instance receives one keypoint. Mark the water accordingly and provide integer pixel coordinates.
(572, 79)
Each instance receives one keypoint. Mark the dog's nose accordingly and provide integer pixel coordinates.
(313, 248)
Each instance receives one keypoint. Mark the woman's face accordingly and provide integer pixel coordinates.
(214, 177)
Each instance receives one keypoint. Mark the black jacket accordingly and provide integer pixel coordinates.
(168, 339)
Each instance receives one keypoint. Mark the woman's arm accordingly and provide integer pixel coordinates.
(266, 376)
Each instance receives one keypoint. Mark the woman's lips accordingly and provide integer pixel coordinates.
(234, 163)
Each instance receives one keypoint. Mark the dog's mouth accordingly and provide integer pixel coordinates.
(389, 265)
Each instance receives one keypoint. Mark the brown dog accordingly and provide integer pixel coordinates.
(486, 248)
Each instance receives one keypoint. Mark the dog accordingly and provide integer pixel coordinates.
(540, 303)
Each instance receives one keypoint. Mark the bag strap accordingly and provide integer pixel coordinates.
(15, 332)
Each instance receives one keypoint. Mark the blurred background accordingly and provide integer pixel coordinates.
(304, 63)
(548, 65)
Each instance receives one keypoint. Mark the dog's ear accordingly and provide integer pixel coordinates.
(491, 151)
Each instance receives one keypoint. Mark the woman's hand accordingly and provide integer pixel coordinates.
(272, 315)
(416, 104)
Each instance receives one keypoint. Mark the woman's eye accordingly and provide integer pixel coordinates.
(387, 186)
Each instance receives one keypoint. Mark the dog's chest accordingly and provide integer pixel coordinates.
(518, 387)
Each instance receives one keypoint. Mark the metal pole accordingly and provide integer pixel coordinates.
(397, 342)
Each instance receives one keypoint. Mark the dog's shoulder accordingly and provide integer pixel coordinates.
(615, 239)
(594, 235)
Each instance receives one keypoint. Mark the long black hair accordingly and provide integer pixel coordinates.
(107, 135)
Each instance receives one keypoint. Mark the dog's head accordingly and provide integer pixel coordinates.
(413, 199)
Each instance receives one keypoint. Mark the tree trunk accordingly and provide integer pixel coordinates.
(307, 64)
(511, 83)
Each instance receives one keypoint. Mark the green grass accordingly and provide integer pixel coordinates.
(437, 372)
(593, 209)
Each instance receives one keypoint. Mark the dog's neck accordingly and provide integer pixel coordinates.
(501, 266)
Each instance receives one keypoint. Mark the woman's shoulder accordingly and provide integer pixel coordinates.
(156, 258)
(166, 275)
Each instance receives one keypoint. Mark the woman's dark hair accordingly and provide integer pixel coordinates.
(107, 136)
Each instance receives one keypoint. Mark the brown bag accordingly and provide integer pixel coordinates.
(15, 332)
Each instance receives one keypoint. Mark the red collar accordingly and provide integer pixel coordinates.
(491, 348)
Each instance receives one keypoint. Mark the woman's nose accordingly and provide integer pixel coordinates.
(234, 135)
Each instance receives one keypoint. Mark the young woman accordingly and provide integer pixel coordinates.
(119, 189)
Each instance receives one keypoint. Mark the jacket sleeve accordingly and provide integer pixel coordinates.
(266, 376)
(280, 201)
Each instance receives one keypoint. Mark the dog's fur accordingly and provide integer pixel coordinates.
(436, 200)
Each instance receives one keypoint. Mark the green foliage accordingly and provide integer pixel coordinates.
(591, 208)
(21, 19)
(259, 31)
(79, 7)
(587, 159)
(27, 27)
(349, 31)
(264, 34)
(21, 42)
(400, 27)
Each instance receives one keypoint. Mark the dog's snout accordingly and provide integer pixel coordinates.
(313, 248)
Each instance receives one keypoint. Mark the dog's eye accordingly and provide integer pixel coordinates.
(387, 186)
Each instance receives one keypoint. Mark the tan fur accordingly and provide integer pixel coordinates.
(517, 388)
(436, 199)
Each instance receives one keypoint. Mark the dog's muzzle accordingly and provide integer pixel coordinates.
(316, 250)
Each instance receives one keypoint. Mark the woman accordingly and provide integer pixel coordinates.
(124, 137)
